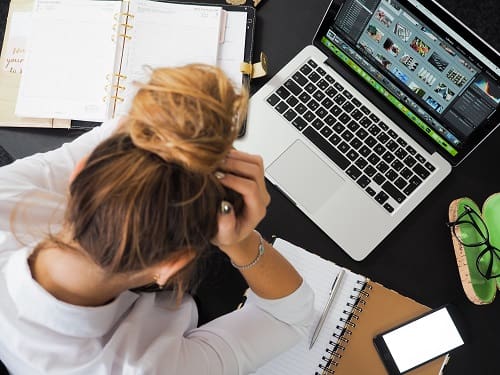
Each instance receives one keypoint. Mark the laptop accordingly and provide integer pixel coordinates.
(359, 127)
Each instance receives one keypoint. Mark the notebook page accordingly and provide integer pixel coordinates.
(167, 34)
(232, 51)
(70, 52)
(319, 274)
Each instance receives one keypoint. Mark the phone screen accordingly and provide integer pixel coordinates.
(423, 339)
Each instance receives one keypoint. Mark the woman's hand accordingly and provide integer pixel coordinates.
(243, 173)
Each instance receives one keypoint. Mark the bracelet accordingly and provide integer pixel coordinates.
(257, 258)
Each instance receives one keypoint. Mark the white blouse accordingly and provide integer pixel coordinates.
(134, 334)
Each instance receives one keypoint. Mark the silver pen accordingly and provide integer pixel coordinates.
(333, 291)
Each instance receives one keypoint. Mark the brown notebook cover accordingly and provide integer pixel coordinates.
(380, 309)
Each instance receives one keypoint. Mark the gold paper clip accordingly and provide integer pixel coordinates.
(256, 70)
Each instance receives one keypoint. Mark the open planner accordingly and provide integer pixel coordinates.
(83, 56)
(360, 310)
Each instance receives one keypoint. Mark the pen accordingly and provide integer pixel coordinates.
(335, 285)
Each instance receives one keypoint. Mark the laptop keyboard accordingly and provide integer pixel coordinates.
(363, 146)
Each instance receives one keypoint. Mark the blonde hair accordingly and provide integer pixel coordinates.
(147, 193)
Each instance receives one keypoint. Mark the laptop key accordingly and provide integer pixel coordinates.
(338, 127)
(293, 87)
(339, 99)
(347, 135)
(292, 101)
(299, 123)
(388, 207)
(355, 143)
(309, 116)
(326, 131)
(388, 157)
(379, 149)
(338, 86)
(336, 110)
(400, 183)
(330, 120)
(348, 107)
(299, 77)
(326, 147)
(411, 150)
(379, 179)
(397, 165)
(373, 159)
(331, 92)
(363, 181)
(370, 191)
(409, 161)
(312, 63)
(361, 163)
(327, 103)
(314, 76)
(322, 84)
(310, 88)
(415, 181)
(318, 124)
(301, 108)
(352, 155)
(290, 114)
(382, 138)
(374, 130)
(347, 94)
(321, 71)
(374, 118)
(365, 121)
(362, 133)
(330, 79)
(343, 147)
(344, 118)
(383, 126)
(353, 172)
(283, 92)
(370, 171)
(393, 191)
(312, 105)
(370, 141)
(306, 69)
(281, 107)
(356, 114)
(364, 150)
(304, 97)
(430, 167)
(381, 197)
(391, 175)
(356, 102)
(421, 171)
(365, 110)
(382, 167)
(353, 125)
(391, 145)
(406, 173)
(273, 99)
(420, 158)
(321, 112)
(335, 139)
(319, 95)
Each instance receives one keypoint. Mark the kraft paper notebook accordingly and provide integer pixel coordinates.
(11, 65)
(84, 56)
(361, 309)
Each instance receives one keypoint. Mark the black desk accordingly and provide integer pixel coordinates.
(417, 259)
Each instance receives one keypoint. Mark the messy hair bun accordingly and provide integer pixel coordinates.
(189, 115)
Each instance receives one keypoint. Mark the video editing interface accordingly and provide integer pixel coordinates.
(429, 78)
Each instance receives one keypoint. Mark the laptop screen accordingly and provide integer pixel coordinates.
(444, 84)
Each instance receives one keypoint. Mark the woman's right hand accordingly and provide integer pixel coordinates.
(243, 173)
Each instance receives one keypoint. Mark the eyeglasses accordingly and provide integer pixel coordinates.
(471, 231)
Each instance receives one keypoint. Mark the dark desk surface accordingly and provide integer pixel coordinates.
(417, 259)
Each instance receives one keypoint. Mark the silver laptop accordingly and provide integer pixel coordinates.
(364, 123)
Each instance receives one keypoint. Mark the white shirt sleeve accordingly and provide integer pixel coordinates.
(41, 180)
(255, 334)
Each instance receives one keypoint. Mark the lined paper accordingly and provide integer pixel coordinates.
(319, 274)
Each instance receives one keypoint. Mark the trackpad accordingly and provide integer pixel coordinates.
(304, 176)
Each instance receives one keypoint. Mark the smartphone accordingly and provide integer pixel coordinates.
(420, 340)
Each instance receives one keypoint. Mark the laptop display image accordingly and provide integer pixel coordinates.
(359, 127)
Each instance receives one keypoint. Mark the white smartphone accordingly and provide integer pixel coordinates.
(420, 340)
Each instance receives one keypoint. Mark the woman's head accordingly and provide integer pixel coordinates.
(148, 193)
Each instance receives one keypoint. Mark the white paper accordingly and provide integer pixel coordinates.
(319, 274)
(168, 35)
(70, 53)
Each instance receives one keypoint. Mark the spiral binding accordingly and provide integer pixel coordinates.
(341, 339)
(114, 81)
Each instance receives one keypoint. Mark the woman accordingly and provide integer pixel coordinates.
(147, 196)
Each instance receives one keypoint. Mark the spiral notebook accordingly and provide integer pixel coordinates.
(83, 56)
(361, 309)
